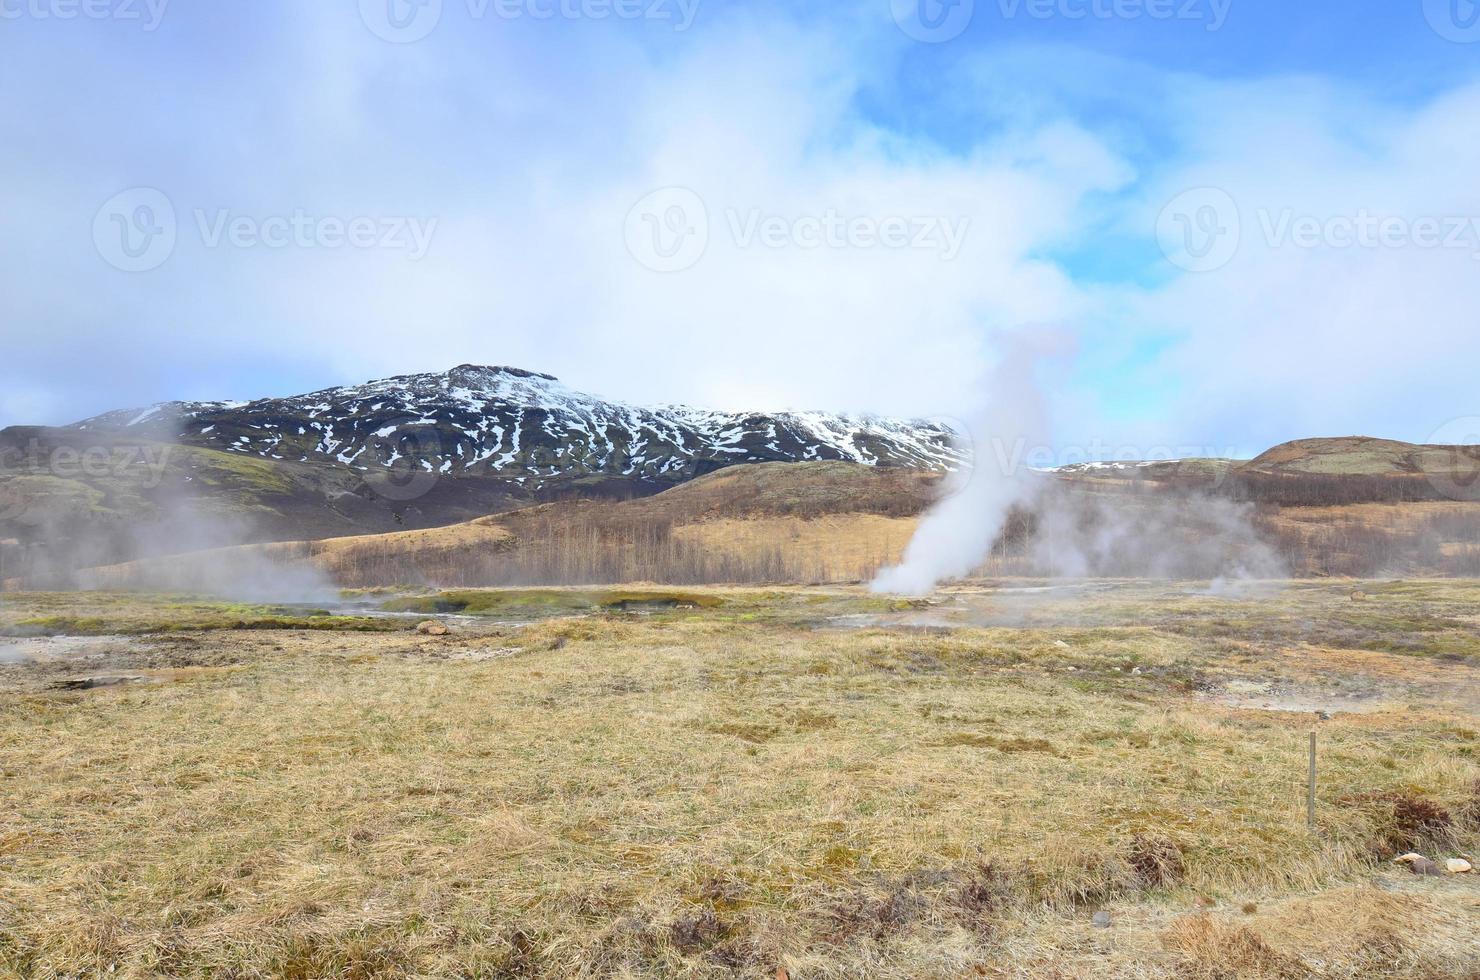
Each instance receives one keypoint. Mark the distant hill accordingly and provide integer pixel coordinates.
(1346, 470)
(768, 522)
(415, 451)
(483, 475)
(522, 428)
(841, 522)
(1363, 456)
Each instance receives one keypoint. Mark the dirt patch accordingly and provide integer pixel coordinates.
(1270, 695)
(861, 915)
(755, 734)
(813, 721)
(983, 896)
(697, 932)
(980, 741)
(45, 649)
(105, 680)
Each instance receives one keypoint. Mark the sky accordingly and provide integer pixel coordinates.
(1253, 220)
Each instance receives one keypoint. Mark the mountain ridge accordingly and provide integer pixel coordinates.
(525, 427)
(411, 451)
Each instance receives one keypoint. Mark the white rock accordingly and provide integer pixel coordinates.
(1457, 866)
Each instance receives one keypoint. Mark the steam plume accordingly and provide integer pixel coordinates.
(1162, 533)
(957, 533)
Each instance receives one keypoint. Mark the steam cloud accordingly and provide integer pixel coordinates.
(57, 533)
(1161, 533)
(958, 532)
(1074, 530)
(207, 558)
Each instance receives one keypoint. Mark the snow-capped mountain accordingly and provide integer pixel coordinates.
(524, 427)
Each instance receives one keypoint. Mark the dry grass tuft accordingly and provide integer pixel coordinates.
(1210, 950)
(1156, 861)
(1402, 821)
(1467, 814)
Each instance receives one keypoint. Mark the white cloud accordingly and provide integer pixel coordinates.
(529, 143)
(1301, 336)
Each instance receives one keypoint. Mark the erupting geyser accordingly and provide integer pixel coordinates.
(958, 532)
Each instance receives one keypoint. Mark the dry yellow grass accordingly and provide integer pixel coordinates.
(837, 548)
(722, 791)
(1407, 516)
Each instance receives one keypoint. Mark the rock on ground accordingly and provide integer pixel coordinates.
(1418, 864)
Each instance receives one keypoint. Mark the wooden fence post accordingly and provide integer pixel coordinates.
(1310, 789)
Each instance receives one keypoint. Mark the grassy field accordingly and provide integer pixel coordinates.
(724, 783)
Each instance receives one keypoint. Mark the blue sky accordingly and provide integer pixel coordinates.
(1180, 186)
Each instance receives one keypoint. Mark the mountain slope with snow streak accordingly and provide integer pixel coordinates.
(527, 428)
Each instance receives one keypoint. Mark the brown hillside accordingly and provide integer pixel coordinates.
(773, 522)
(1364, 456)
(1325, 507)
